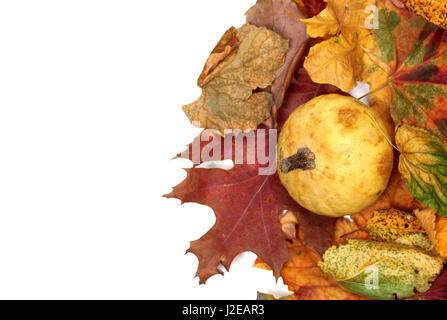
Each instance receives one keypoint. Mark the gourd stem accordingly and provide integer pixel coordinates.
(304, 159)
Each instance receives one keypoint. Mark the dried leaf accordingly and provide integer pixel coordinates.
(420, 240)
(348, 229)
(247, 206)
(390, 224)
(423, 165)
(303, 276)
(282, 17)
(310, 8)
(226, 45)
(338, 60)
(434, 11)
(436, 228)
(382, 270)
(288, 223)
(427, 217)
(229, 98)
(415, 84)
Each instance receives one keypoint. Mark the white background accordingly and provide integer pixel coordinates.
(90, 115)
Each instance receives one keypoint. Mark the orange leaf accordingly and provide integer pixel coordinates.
(303, 276)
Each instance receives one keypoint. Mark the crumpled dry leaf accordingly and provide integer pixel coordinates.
(382, 270)
(338, 60)
(423, 165)
(288, 222)
(282, 17)
(436, 228)
(229, 98)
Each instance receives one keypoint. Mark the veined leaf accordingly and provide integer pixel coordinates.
(423, 165)
(228, 99)
(382, 270)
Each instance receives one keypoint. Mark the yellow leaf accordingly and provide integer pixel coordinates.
(326, 23)
(331, 62)
(391, 224)
(340, 60)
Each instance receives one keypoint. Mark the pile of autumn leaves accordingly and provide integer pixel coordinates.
(260, 73)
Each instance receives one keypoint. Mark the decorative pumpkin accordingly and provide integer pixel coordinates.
(334, 156)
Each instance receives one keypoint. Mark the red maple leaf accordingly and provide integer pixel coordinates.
(247, 206)
(246, 203)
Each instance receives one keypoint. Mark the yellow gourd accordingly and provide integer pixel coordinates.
(334, 156)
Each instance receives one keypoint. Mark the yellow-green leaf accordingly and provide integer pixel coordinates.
(382, 270)
(423, 165)
(230, 99)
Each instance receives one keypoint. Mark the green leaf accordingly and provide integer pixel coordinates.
(381, 270)
(230, 99)
(423, 165)
(415, 54)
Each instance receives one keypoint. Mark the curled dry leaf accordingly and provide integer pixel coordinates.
(229, 98)
(288, 222)
(436, 228)
(338, 60)
(247, 74)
